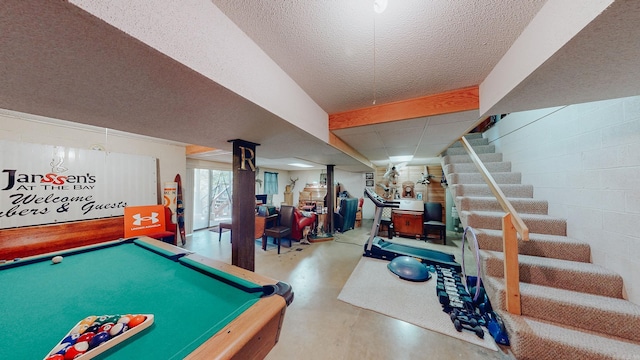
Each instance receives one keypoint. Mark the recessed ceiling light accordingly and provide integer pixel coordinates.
(400, 158)
(301, 165)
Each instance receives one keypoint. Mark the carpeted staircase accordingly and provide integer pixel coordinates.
(571, 309)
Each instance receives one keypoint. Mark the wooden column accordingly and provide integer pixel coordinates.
(244, 204)
(511, 267)
(331, 198)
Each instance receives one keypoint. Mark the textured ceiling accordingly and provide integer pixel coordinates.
(421, 47)
(58, 61)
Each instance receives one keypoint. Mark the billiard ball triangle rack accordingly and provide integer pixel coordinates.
(94, 335)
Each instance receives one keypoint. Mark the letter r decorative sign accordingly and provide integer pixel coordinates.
(244, 154)
(244, 159)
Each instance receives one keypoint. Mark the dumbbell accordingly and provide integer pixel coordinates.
(449, 273)
(450, 301)
(462, 320)
(476, 329)
(445, 285)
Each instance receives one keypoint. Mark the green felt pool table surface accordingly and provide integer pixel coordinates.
(191, 302)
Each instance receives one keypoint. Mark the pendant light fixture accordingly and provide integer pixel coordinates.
(379, 6)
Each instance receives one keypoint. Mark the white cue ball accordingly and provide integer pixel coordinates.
(56, 259)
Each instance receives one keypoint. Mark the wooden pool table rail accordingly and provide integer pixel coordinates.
(40, 239)
(250, 336)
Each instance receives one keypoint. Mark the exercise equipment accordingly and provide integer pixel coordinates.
(408, 268)
(463, 321)
(452, 294)
(378, 248)
(482, 311)
(457, 302)
(496, 329)
(478, 281)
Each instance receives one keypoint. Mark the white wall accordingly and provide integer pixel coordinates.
(354, 184)
(283, 180)
(585, 160)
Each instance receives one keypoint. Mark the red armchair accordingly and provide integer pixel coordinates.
(300, 222)
(169, 233)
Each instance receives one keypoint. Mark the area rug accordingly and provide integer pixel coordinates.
(372, 286)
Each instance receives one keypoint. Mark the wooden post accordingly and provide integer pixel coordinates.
(331, 198)
(244, 204)
(511, 267)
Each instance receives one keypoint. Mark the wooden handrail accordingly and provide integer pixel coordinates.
(522, 229)
(512, 225)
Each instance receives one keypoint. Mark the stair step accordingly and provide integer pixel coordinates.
(541, 224)
(490, 203)
(509, 190)
(551, 246)
(481, 149)
(476, 178)
(492, 167)
(488, 157)
(475, 135)
(562, 274)
(572, 309)
(473, 141)
(617, 317)
(532, 339)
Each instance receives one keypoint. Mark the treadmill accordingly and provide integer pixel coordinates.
(376, 247)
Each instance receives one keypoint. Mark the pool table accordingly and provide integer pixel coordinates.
(202, 308)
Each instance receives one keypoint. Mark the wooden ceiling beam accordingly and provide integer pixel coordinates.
(197, 149)
(339, 144)
(444, 103)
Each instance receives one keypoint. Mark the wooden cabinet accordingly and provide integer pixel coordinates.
(312, 196)
(407, 223)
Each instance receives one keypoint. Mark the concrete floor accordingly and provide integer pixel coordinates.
(319, 326)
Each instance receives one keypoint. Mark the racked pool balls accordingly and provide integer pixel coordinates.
(112, 319)
(102, 319)
(87, 336)
(55, 357)
(106, 327)
(81, 328)
(89, 320)
(60, 348)
(95, 328)
(118, 329)
(99, 338)
(136, 320)
(76, 350)
(70, 339)
(124, 319)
